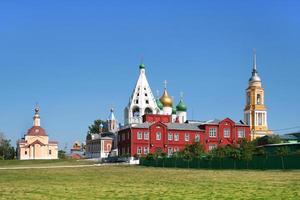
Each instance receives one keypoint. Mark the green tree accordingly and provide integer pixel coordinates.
(7, 152)
(220, 153)
(247, 151)
(61, 154)
(282, 152)
(95, 127)
(235, 154)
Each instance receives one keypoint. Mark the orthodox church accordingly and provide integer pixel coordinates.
(36, 143)
(100, 145)
(255, 112)
(142, 101)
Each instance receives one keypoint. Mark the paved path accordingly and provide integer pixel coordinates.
(60, 166)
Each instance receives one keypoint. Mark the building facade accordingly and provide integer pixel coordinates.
(100, 145)
(36, 144)
(142, 101)
(159, 133)
(255, 112)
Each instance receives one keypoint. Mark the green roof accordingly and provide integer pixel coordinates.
(142, 66)
(181, 106)
(159, 104)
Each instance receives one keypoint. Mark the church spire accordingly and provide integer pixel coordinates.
(254, 60)
(36, 117)
(255, 77)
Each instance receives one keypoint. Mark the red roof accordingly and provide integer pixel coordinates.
(36, 131)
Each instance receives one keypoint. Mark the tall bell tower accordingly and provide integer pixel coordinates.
(255, 112)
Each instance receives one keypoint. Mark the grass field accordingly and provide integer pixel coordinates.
(135, 182)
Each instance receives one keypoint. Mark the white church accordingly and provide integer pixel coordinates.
(142, 101)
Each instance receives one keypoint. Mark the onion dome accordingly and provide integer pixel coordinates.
(181, 106)
(166, 100)
(159, 104)
(142, 66)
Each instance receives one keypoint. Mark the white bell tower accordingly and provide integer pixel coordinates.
(142, 100)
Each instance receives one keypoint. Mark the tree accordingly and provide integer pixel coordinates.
(95, 127)
(269, 139)
(7, 152)
(235, 153)
(221, 153)
(247, 151)
(61, 154)
(282, 152)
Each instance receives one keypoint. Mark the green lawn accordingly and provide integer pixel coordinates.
(135, 182)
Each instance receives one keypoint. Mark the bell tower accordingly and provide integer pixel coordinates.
(255, 112)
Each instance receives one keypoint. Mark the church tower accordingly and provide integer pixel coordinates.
(112, 123)
(255, 112)
(142, 100)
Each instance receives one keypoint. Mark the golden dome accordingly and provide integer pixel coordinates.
(166, 100)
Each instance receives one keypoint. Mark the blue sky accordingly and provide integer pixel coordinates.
(79, 58)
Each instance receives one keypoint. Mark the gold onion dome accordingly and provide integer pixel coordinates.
(166, 100)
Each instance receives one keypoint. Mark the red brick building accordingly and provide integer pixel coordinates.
(157, 132)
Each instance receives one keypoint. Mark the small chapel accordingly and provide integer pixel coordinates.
(36, 144)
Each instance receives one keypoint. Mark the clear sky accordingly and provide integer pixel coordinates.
(79, 58)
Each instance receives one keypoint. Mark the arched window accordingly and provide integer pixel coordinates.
(258, 99)
(148, 111)
(136, 112)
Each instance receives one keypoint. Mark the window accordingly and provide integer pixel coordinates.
(137, 101)
(241, 133)
(197, 138)
(49, 152)
(158, 136)
(139, 136)
(139, 150)
(146, 150)
(259, 115)
(147, 101)
(258, 99)
(186, 137)
(146, 94)
(170, 151)
(123, 136)
(25, 152)
(213, 132)
(176, 136)
(170, 136)
(146, 136)
(226, 132)
(212, 146)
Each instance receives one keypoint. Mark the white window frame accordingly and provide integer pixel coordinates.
(139, 150)
(241, 133)
(213, 132)
(186, 137)
(158, 135)
(146, 150)
(170, 151)
(170, 136)
(176, 136)
(226, 133)
(139, 135)
(146, 135)
(197, 138)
